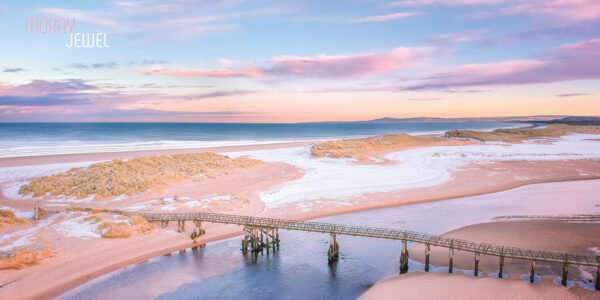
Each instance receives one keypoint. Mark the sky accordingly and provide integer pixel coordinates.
(297, 61)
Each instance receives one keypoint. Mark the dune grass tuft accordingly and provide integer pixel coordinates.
(114, 230)
(356, 147)
(8, 217)
(23, 257)
(139, 174)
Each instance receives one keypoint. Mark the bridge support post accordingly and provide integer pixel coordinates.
(565, 274)
(245, 240)
(164, 224)
(598, 279)
(404, 258)
(198, 231)
(450, 265)
(267, 245)
(277, 236)
(501, 266)
(333, 253)
(273, 239)
(476, 272)
(532, 276)
(427, 251)
(180, 226)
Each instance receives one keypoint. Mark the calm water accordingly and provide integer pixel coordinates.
(299, 270)
(38, 134)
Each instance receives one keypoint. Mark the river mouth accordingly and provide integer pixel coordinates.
(299, 269)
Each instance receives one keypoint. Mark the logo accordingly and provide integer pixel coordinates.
(66, 26)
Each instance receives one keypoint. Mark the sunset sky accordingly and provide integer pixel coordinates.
(301, 61)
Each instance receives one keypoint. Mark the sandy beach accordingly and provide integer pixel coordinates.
(271, 190)
(419, 285)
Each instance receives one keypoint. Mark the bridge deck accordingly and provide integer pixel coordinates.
(433, 240)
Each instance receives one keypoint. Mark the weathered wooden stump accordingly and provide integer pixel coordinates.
(38, 212)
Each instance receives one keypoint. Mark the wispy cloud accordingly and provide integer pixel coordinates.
(13, 70)
(167, 20)
(219, 94)
(387, 17)
(573, 10)
(424, 99)
(572, 95)
(46, 93)
(114, 64)
(456, 38)
(320, 66)
(568, 62)
(104, 65)
(185, 72)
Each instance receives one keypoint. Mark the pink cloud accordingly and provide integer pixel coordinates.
(343, 65)
(388, 17)
(319, 66)
(569, 62)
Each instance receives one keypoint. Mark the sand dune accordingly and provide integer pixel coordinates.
(517, 135)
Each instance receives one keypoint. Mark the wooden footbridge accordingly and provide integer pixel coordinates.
(263, 233)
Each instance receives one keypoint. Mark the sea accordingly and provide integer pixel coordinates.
(31, 139)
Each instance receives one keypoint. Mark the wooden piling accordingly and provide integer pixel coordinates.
(333, 252)
(565, 274)
(267, 245)
(451, 256)
(180, 226)
(404, 258)
(427, 250)
(501, 266)
(532, 277)
(451, 260)
(164, 224)
(476, 272)
(273, 238)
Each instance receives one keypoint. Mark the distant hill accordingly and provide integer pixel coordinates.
(526, 119)
(580, 120)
